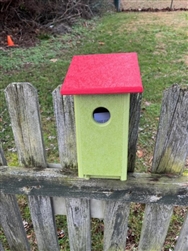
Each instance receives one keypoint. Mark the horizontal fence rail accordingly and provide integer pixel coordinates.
(142, 188)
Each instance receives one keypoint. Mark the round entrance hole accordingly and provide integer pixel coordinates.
(101, 115)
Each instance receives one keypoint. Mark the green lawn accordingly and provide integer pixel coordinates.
(161, 41)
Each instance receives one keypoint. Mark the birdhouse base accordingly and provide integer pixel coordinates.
(103, 177)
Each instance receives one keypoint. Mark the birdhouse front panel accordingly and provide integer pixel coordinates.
(102, 135)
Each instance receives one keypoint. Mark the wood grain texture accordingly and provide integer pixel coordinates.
(169, 157)
(134, 119)
(78, 217)
(170, 154)
(3, 161)
(155, 227)
(10, 219)
(141, 188)
(1, 247)
(44, 223)
(23, 106)
(182, 243)
(115, 225)
(66, 134)
(171, 147)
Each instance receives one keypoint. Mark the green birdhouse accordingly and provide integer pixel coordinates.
(101, 85)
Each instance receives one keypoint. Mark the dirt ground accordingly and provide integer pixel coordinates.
(24, 35)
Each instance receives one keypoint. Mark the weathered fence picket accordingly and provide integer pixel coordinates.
(171, 148)
(25, 120)
(170, 155)
(155, 226)
(134, 119)
(11, 221)
(115, 225)
(1, 247)
(43, 222)
(43, 182)
(24, 113)
(78, 217)
(10, 218)
(66, 132)
(182, 243)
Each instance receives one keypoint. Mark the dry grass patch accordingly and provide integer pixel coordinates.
(176, 20)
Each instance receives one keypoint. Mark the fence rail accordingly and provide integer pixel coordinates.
(160, 190)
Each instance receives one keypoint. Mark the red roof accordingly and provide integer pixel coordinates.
(103, 74)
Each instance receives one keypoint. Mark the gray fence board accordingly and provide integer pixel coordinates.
(1, 247)
(23, 108)
(170, 155)
(141, 188)
(182, 243)
(10, 219)
(115, 225)
(66, 132)
(44, 223)
(12, 224)
(78, 217)
(134, 119)
(155, 227)
(171, 147)
(3, 161)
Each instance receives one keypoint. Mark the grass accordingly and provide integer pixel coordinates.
(160, 39)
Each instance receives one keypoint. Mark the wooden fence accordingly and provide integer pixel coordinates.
(160, 190)
(151, 5)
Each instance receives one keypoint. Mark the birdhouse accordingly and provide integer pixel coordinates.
(101, 85)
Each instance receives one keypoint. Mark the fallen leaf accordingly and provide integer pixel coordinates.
(147, 103)
(150, 160)
(139, 153)
(53, 60)
(101, 43)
